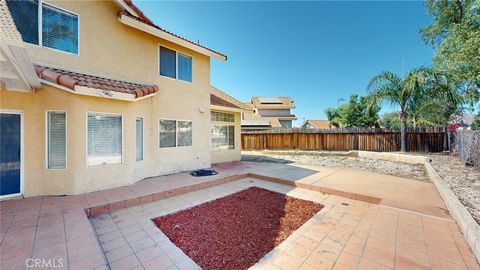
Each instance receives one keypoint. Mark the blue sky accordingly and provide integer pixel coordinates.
(315, 52)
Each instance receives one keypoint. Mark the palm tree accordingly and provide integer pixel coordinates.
(403, 92)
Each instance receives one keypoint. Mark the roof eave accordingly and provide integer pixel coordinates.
(224, 108)
(167, 36)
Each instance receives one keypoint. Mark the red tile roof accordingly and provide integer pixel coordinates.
(215, 100)
(142, 18)
(70, 79)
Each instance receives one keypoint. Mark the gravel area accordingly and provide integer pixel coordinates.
(235, 231)
(416, 172)
(463, 180)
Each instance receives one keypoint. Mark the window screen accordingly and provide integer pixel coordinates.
(184, 133)
(184, 67)
(223, 137)
(168, 63)
(25, 17)
(59, 29)
(104, 139)
(57, 140)
(139, 138)
(168, 133)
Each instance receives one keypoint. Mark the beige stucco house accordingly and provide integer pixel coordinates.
(263, 113)
(97, 96)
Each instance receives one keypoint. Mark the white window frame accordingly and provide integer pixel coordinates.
(176, 133)
(86, 139)
(47, 129)
(40, 26)
(143, 138)
(176, 65)
(227, 124)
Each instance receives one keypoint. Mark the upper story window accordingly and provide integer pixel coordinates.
(175, 65)
(57, 29)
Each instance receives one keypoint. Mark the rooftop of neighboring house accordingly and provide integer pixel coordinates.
(272, 102)
(317, 123)
(252, 119)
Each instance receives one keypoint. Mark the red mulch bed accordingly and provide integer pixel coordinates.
(234, 232)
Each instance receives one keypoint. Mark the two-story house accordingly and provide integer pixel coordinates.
(95, 95)
(268, 112)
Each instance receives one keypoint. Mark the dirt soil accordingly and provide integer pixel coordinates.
(416, 172)
(463, 180)
(236, 231)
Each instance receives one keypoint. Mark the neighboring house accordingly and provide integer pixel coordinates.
(316, 124)
(268, 112)
(97, 96)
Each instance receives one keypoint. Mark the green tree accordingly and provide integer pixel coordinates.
(455, 33)
(403, 92)
(391, 120)
(358, 112)
(476, 122)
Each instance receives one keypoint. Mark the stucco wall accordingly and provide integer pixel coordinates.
(222, 156)
(114, 50)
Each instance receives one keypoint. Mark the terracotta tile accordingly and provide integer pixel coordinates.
(149, 253)
(409, 259)
(439, 255)
(127, 262)
(113, 244)
(347, 260)
(91, 262)
(471, 263)
(116, 206)
(287, 262)
(158, 263)
(131, 202)
(302, 247)
(323, 257)
(383, 257)
(383, 236)
(370, 265)
(117, 254)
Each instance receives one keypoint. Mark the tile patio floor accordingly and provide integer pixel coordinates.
(358, 236)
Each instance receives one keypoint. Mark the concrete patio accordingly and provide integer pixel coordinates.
(389, 222)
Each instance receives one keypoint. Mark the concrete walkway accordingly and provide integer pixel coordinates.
(57, 228)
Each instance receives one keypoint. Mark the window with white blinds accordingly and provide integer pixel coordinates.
(57, 29)
(139, 138)
(56, 140)
(104, 139)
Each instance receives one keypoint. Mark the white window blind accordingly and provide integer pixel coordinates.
(59, 29)
(57, 140)
(104, 139)
(139, 139)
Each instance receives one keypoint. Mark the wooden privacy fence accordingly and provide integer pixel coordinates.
(432, 139)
